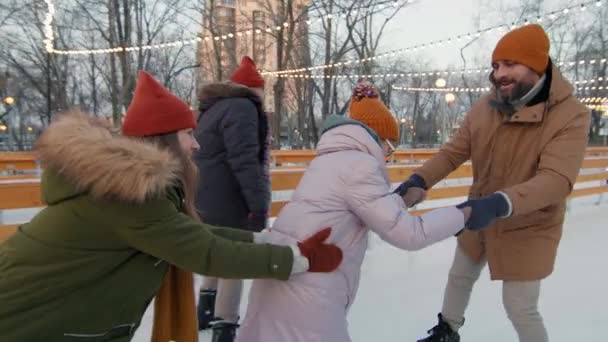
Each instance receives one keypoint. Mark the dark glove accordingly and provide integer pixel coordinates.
(322, 257)
(256, 222)
(485, 210)
(414, 181)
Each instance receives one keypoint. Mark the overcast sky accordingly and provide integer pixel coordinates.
(428, 20)
(431, 20)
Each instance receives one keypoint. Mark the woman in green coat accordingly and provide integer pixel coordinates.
(119, 214)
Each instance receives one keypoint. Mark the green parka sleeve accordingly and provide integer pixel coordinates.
(159, 229)
(232, 234)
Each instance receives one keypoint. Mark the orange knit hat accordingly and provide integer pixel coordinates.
(527, 45)
(367, 107)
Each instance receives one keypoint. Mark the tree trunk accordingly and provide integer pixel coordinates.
(116, 112)
(279, 90)
(325, 108)
(415, 118)
(93, 82)
(311, 116)
(124, 31)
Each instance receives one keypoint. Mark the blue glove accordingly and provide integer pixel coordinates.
(485, 210)
(414, 181)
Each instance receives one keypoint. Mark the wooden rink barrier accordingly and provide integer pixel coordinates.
(21, 191)
(26, 161)
(17, 161)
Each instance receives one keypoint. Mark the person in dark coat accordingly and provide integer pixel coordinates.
(234, 188)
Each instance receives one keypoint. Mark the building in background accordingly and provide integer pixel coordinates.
(234, 28)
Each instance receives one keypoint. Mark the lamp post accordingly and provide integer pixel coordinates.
(403, 123)
(9, 100)
(450, 98)
(5, 122)
(296, 138)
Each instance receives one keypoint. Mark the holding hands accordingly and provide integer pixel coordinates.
(478, 213)
(486, 210)
(412, 190)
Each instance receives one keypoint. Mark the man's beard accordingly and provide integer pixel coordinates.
(507, 103)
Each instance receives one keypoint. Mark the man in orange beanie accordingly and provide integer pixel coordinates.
(234, 187)
(526, 141)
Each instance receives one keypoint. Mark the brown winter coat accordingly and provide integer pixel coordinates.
(534, 157)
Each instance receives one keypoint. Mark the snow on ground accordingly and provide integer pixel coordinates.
(573, 299)
(401, 292)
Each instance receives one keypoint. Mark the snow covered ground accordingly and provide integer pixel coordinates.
(573, 299)
(401, 292)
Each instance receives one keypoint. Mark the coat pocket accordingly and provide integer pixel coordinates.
(117, 332)
(546, 217)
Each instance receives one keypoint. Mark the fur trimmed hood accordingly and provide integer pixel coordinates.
(93, 157)
(212, 93)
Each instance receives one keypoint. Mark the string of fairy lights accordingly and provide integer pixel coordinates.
(594, 100)
(49, 37)
(443, 89)
(51, 11)
(595, 84)
(550, 16)
(438, 73)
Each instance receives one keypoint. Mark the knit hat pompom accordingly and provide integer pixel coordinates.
(365, 89)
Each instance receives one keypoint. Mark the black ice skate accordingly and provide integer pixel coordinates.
(442, 332)
(206, 308)
(224, 331)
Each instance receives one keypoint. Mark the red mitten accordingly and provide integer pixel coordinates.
(321, 257)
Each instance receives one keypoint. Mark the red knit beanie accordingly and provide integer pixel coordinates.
(154, 110)
(247, 74)
(527, 45)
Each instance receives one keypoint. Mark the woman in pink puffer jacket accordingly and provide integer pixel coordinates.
(346, 187)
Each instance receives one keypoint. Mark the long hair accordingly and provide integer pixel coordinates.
(188, 174)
